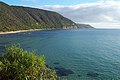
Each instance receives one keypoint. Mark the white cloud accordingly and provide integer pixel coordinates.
(106, 25)
(103, 11)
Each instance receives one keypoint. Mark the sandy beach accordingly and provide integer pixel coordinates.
(12, 32)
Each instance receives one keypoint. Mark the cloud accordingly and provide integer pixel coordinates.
(102, 11)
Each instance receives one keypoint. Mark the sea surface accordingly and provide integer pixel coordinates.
(80, 54)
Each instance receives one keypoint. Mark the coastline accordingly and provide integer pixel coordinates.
(29, 30)
(19, 31)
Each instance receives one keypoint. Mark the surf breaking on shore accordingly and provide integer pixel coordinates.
(12, 32)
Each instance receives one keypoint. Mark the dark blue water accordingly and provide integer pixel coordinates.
(90, 54)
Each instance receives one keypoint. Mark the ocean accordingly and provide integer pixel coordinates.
(78, 54)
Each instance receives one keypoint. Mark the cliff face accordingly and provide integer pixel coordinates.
(19, 18)
(84, 26)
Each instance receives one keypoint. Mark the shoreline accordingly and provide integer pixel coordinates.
(19, 31)
(29, 30)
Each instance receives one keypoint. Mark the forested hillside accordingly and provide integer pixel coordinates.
(14, 18)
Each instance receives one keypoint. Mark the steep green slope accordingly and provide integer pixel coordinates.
(8, 20)
(20, 18)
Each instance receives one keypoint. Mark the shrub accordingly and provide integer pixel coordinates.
(18, 64)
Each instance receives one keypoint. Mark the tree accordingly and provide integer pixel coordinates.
(18, 64)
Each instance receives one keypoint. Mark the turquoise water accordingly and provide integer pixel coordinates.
(82, 51)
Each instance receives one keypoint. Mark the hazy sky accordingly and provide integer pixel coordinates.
(99, 13)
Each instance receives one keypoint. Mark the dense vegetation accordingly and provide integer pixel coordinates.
(18, 64)
(20, 18)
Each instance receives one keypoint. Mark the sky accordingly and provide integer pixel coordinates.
(98, 13)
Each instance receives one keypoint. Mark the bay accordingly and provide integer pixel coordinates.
(90, 54)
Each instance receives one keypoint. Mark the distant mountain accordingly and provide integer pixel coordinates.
(85, 26)
(14, 18)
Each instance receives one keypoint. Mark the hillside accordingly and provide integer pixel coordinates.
(85, 26)
(14, 18)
